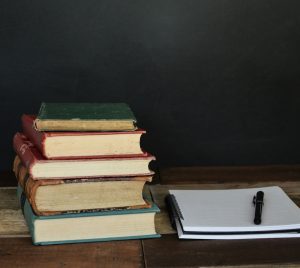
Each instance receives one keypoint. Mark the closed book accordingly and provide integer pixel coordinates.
(89, 226)
(57, 196)
(85, 117)
(56, 145)
(41, 168)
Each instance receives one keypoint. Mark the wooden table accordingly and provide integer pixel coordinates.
(168, 251)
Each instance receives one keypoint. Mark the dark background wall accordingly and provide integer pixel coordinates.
(213, 82)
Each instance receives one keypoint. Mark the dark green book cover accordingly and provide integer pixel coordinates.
(85, 117)
(85, 111)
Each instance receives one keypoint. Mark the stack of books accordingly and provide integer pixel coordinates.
(81, 174)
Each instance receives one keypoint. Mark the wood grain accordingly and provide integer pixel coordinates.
(225, 174)
(19, 252)
(12, 223)
(169, 251)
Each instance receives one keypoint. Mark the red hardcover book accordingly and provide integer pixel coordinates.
(60, 145)
(41, 168)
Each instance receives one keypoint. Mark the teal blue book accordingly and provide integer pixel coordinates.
(85, 117)
(89, 226)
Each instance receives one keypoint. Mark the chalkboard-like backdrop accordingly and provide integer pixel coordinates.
(213, 82)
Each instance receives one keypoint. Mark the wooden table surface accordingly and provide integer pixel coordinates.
(168, 251)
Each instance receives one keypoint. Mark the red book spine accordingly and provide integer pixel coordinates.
(22, 148)
(36, 137)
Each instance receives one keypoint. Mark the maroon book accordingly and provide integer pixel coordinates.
(60, 145)
(40, 167)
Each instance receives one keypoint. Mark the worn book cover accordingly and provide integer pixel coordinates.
(41, 168)
(56, 145)
(85, 117)
(56, 196)
(89, 226)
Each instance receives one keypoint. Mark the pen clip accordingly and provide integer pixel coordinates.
(254, 201)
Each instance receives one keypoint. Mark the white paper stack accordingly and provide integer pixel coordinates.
(229, 214)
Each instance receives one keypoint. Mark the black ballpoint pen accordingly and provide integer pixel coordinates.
(169, 205)
(258, 201)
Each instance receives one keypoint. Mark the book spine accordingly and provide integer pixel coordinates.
(17, 165)
(27, 184)
(36, 137)
(30, 186)
(22, 149)
(21, 174)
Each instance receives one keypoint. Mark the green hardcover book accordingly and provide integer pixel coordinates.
(85, 117)
(89, 226)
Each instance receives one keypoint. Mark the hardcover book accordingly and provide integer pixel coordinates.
(89, 226)
(55, 145)
(56, 196)
(41, 168)
(85, 117)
